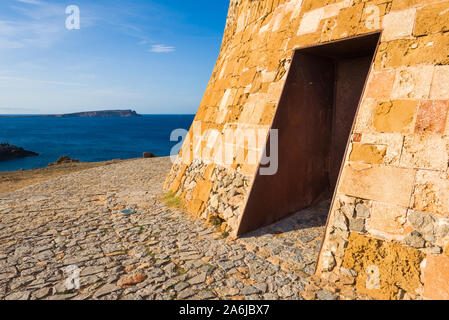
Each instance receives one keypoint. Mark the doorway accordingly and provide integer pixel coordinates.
(314, 120)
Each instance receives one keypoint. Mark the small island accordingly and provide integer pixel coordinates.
(8, 152)
(100, 114)
(86, 114)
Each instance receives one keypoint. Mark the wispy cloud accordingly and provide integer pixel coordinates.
(29, 1)
(160, 48)
(36, 26)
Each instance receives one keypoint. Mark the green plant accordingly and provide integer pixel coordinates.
(216, 221)
(171, 200)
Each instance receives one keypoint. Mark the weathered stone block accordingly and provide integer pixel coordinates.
(396, 116)
(386, 184)
(422, 222)
(310, 21)
(415, 240)
(431, 193)
(424, 50)
(404, 4)
(436, 277)
(439, 88)
(347, 21)
(383, 267)
(425, 152)
(357, 225)
(413, 83)
(362, 211)
(380, 85)
(364, 121)
(202, 190)
(387, 220)
(367, 153)
(195, 206)
(432, 116)
(398, 24)
(431, 19)
(394, 141)
(340, 221)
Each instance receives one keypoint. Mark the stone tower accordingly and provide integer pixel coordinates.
(341, 99)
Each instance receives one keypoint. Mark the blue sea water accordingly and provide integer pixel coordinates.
(89, 139)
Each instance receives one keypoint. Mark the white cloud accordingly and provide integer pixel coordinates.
(29, 1)
(41, 25)
(160, 48)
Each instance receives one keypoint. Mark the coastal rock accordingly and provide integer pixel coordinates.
(64, 160)
(147, 155)
(8, 152)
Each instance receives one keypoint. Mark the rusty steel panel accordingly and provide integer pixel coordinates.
(314, 119)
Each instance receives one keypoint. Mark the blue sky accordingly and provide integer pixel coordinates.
(151, 56)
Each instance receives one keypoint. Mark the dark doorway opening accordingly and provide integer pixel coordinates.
(314, 120)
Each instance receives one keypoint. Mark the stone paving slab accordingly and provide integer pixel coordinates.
(54, 230)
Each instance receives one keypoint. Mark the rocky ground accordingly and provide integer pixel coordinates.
(14, 180)
(71, 225)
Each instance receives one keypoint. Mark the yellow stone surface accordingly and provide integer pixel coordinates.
(368, 153)
(383, 267)
(202, 190)
(396, 116)
(432, 19)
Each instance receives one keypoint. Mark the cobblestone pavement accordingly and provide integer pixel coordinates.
(73, 224)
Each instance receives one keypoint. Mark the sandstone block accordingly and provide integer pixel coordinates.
(381, 183)
(364, 121)
(439, 88)
(424, 50)
(387, 220)
(396, 116)
(380, 85)
(413, 83)
(436, 277)
(431, 19)
(310, 21)
(431, 193)
(432, 116)
(404, 4)
(367, 153)
(202, 190)
(398, 24)
(394, 141)
(195, 206)
(425, 152)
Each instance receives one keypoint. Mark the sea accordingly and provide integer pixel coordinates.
(89, 139)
